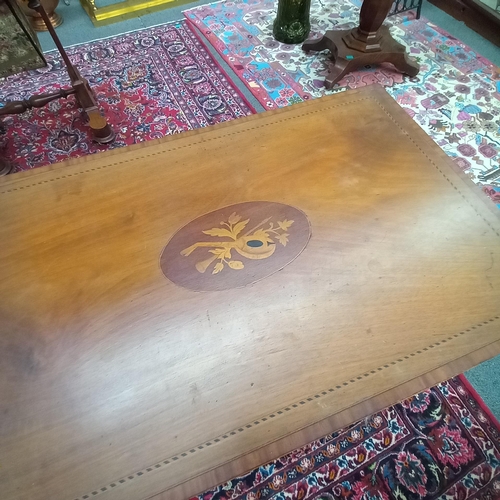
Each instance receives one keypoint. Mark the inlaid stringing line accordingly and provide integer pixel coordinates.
(436, 167)
(237, 132)
(281, 411)
(202, 140)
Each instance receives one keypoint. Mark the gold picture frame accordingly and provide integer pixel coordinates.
(123, 10)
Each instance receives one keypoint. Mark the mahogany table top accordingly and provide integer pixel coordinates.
(177, 312)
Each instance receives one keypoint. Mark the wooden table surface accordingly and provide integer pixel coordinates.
(116, 383)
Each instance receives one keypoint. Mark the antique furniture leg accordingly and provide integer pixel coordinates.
(369, 43)
(100, 128)
(101, 131)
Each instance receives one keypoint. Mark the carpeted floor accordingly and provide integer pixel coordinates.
(77, 27)
(150, 83)
(454, 98)
(442, 443)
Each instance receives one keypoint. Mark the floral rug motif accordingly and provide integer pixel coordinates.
(441, 443)
(150, 83)
(455, 98)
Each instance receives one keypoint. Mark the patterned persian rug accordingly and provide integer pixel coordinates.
(455, 98)
(440, 444)
(150, 83)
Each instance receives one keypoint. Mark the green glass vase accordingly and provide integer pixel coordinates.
(292, 23)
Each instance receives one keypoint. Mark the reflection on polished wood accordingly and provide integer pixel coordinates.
(116, 381)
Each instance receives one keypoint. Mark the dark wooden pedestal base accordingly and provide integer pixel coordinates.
(347, 59)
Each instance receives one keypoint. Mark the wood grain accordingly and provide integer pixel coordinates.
(115, 381)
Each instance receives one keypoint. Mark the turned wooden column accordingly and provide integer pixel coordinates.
(366, 37)
(369, 43)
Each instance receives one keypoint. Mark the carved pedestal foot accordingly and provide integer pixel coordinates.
(316, 45)
(347, 59)
(406, 65)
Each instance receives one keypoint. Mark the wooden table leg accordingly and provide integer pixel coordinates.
(101, 130)
(369, 43)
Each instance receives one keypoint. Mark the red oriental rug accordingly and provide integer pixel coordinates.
(443, 443)
(150, 83)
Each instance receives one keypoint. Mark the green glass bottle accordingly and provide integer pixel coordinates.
(292, 23)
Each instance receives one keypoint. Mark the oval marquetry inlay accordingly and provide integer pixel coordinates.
(235, 246)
